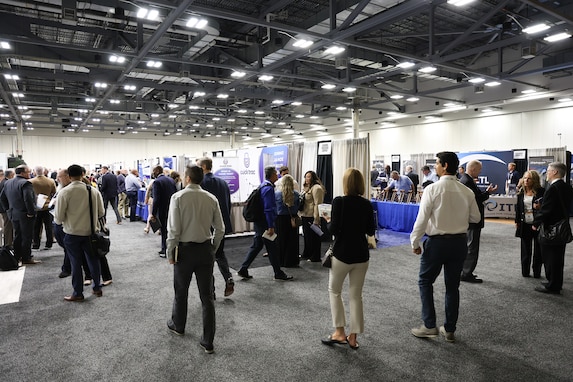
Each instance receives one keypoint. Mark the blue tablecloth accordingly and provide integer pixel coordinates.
(142, 211)
(398, 217)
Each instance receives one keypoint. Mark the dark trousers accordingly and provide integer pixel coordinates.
(449, 253)
(23, 231)
(471, 261)
(222, 261)
(258, 243)
(43, 218)
(311, 241)
(163, 219)
(113, 202)
(8, 229)
(78, 248)
(132, 196)
(199, 259)
(287, 242)
(554, 261)
(530, 249)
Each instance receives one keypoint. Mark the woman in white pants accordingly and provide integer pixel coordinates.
(352, 218)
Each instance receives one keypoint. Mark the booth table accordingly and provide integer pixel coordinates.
(394, 216)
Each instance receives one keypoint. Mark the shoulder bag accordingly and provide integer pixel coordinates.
(301, 201)
(99, 241)
(558, 233)
(326, 259)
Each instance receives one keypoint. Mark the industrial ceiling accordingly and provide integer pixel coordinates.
(244, 70)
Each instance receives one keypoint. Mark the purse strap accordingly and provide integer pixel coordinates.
(91, 210)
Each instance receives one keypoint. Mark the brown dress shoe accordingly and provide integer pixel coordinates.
(31, 262)
(97, 293)
(74, 298)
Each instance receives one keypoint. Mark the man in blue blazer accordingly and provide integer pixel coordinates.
(555, 206)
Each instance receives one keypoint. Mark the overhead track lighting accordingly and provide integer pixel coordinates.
(149, 14)
(459, 3)
(197, 23)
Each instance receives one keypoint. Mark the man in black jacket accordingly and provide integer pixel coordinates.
(474, 231)
(19, 201)
(109, 191)
(555, 206)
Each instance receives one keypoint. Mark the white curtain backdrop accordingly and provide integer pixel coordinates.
(350, 153)
(308, 160)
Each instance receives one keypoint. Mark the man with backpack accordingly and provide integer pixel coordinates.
(264, 223)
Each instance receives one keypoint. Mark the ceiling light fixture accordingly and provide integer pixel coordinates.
(428, 69)
(265, 77)
(476, 80)
(90, 99)
(196, 23)
(405, 65)
(278, 101)
(564, 100)
(328, 86)
(492, 83)
(349, 89)
(102, 85)
(334, 50)
(149, 14)
(154, 64)
(5, 45)
(459, 3)
(412, 99)
(238, 74)
(302, 43)
(557, 37)
(296, 103)
(129, 87)
(536, 28)
(198, 94)
(222, 96)
(397, 96)
(11, 77)
(116, 59)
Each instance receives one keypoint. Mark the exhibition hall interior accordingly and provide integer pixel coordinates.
(314, 86)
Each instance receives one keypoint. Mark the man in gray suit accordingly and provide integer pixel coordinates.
(19, 201)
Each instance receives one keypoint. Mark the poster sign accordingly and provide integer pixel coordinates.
(494, 167)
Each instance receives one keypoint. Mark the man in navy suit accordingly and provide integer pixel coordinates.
(109, 191)
(555, 206)
(163, 189)
(474, 231)
(19, 201)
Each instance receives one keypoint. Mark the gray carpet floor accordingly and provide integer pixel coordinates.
(271, 331)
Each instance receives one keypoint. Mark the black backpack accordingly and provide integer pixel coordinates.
(8, 260)
(253, 211)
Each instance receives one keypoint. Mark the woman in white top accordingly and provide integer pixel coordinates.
(528, 203)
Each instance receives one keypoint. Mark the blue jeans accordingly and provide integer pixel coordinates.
(258, 243)
(449, 253)
(78, 248)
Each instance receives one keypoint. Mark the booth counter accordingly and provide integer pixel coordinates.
(500, 206)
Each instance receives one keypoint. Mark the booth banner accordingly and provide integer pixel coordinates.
(228, 169)
(168, 163)
(494, 167)
(500, 207)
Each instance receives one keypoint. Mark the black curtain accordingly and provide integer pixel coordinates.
(324, 172)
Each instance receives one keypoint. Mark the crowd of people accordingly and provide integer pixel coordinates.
(193, 216)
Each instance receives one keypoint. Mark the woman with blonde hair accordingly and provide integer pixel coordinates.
(313, 192)
(352, 218)
(528, 203)
(287, 208)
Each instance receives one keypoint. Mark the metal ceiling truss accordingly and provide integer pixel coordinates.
(60, 49)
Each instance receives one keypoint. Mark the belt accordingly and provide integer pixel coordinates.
(449, 236)
(190, 243)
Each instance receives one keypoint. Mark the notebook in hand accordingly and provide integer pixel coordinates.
(155, 224)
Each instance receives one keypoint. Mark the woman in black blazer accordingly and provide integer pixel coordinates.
(352, 218)
(528, 203)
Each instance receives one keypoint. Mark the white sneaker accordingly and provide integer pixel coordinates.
(449, 336)
(423, 332)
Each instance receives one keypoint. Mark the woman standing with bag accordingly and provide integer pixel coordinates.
(313, 192)
(352, 218)
(528, 203)
(285, 226)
